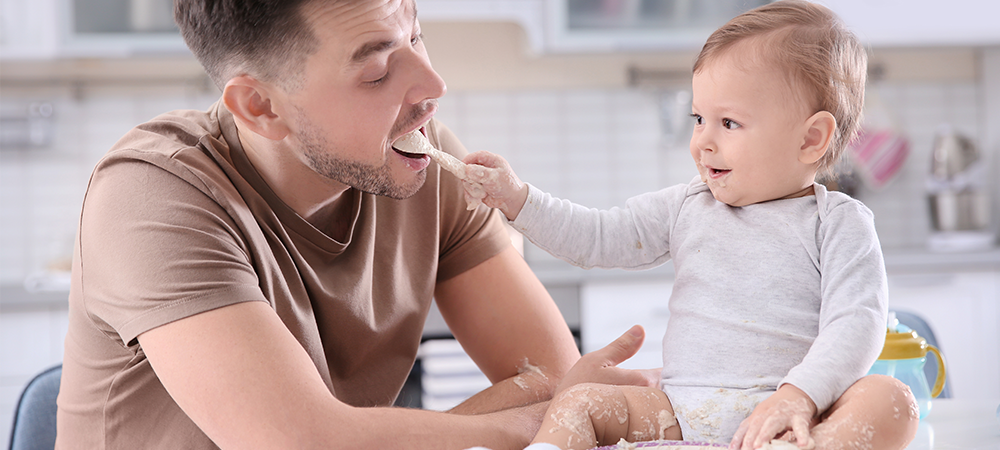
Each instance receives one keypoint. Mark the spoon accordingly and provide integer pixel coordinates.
(416, 142)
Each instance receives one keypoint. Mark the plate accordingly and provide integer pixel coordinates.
(662, 445)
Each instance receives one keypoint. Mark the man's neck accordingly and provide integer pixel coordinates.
(319, 200)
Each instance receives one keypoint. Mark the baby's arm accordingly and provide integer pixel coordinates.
(634, 237)
(851, 329)
(588, 415)
(854, 296)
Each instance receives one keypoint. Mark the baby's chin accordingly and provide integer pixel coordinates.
(717, 198)
(719, 194)
(716, 188)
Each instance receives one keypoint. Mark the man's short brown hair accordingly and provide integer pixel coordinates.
(267, 39)
(823, 59)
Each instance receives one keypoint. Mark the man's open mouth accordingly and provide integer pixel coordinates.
(412, 155)
(408, 154)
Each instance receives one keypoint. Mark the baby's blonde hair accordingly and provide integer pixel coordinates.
(823, 59)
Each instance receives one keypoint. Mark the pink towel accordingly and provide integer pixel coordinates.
(879, 155)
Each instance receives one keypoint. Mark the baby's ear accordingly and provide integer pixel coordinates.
(819, 130)
(252, 102)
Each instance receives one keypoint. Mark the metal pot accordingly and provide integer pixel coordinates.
(956, 195)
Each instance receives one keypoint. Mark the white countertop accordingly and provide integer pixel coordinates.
(959, 424)
(905, 261)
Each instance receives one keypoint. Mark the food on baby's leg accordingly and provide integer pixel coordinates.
(588, 415)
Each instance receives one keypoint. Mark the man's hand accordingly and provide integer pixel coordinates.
(494, 183)
(787, 409)
(600, 366)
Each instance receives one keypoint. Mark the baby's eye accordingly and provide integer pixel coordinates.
(730, 124)
(698, 120)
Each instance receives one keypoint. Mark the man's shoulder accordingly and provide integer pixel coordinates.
(182, 142)
(185, 146)
(169, 133)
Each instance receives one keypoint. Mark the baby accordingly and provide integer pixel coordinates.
(780, 298)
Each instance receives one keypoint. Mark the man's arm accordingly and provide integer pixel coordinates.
(504, 318)
(247, 383)
(506, 321)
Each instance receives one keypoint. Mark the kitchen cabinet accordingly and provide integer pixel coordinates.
(963, 309)
(907, 23)
(119, 28)
(596, 26)
(609, 308)
(636, 25)
(55, 29)
(52, 29)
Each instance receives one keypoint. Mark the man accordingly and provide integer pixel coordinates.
(258, 275)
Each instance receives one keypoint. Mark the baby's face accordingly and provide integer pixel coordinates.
(749, 128)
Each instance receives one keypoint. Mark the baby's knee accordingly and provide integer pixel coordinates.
(651, 416)
(897, 409)
(899, 395)
(877, 412)
(598, 405)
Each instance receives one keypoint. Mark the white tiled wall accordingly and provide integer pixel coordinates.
(41, 189)
(917, 109)
(596, 147)
(600, 147)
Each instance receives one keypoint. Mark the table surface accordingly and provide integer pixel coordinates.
(959, 424)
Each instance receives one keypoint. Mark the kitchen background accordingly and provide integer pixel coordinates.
(587, 99)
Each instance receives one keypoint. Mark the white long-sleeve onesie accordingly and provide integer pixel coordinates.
(786, 291)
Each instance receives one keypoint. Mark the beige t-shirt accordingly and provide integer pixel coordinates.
(177, 222)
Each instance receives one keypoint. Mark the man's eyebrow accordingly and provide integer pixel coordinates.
(368, 49)
(371, 48)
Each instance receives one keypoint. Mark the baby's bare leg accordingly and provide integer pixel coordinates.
(877, 412)
(590, 415)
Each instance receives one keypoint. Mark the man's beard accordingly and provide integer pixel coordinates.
(372, 179)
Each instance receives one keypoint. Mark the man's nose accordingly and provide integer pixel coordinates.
(427, 83)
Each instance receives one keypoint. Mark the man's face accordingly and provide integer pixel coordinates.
(369, 82)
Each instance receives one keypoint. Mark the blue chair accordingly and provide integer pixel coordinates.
(35, 416)
(918, 324)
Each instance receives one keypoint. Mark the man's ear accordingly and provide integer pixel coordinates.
(250, 101)
(818, 135)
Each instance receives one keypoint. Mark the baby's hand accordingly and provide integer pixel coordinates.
(489, 179)
(787, 409)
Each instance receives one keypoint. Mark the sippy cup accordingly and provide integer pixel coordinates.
(903, 358)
